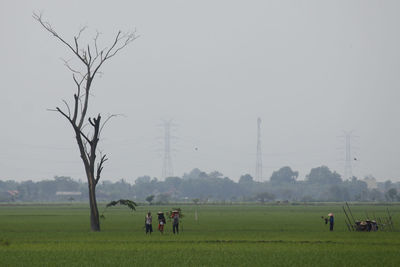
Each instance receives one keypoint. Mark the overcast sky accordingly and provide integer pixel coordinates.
(309, 69)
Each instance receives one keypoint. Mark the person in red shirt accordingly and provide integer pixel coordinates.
(161, 221)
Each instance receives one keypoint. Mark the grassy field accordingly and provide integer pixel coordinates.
(231, 235)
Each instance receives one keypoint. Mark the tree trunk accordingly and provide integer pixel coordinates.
(94, 212)
(89, 170)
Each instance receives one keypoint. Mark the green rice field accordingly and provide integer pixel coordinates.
(223, 235)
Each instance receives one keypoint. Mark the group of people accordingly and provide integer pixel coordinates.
(162, 221)
(367, 226)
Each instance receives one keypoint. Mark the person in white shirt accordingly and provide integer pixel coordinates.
(148, 223)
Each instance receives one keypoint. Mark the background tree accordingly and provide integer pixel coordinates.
(391, 194)
(284, 175)
(172, 183)
(355, 188)
(265, 196)
(323, 175)
(376, 195)
(246, 178)
(143, 180)
(91, 58)
(150, 199)
(163, 198)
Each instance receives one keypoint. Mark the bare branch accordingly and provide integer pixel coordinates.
(86, 101)
(85, 145)
(77, 96)
(117, 38)
(106, 120)
(69, 111)
(90, 56)
(50, 29)
(65, 115)
(85, 137)
(84, 56)
(66, 63)
(78, 84)
(76, 45)
(80, 32)
(129, 37)
(76, 38)
(95, 41)
(96, 49)
(100, 167)
(91, 122)
(80, 104)
(76, 104)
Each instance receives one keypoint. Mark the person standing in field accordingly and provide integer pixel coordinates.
(161, 222)
(331, 221)
(175, 222)
(149, 223)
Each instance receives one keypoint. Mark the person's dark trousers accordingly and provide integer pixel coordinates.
(149, 228)
(175, 227)
(331, 227)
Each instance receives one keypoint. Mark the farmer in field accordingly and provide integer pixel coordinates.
(161, 221)
(148, 223)
(374, 226)
(369, 225)
(331, 221)
(175, 221)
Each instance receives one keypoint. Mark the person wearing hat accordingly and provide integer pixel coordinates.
(331, 221)
(363, 226)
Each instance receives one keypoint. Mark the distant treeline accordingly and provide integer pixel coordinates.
(321, 184)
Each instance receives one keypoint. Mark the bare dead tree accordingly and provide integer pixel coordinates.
(91, 58)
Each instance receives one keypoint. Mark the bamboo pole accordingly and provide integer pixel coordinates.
(390, 219)
(381, 224)
(348, 226)
(354, 221)
(347, 216)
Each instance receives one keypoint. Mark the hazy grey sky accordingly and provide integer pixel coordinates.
(309, 69)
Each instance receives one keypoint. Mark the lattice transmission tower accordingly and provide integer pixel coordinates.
(167, 170)
(349, 157)
(259, 166)
(348, 169)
